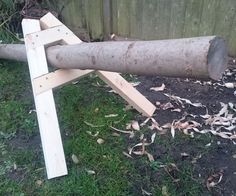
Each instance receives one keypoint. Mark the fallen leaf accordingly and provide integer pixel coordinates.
(166, 106)
(115, 134)
(92, 125)
(160, 88)
(74, 158)
(184, 154)
(144, 192)
(164, 191)
(90, 172)
(229, 85)
(214, 179)
(14, 166)
(134, 83)
(176, 110)
(150, 156)
(100, 141)
(39, 182)
(172, 131)
(127, 155)
(111, 115)
(93, 135)
(135, 125)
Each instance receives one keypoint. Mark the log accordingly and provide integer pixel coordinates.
(200, 57)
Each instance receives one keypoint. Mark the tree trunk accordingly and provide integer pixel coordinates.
(201, 57)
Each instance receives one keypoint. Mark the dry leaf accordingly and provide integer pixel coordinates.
(111, 115)
(229, 85)
(126, 154)
(214, 179)
(100, 141)
(39, 182)
(135, 125)
(160, 88)
(176, 110)
(166, 106)
(164, 191)
(150, 156)
(145, 192)
(74, 158)
(115, 134)
(93, 135)
(14, 166)
(184, 154)
(92, 125)
(172, 131)
(90, 172)
(134, 83)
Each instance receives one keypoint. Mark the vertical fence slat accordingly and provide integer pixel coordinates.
(192, 18)
(95, 19)
(136, 14)
(164, 9)
(232, 38)
(123, 24)
(208, 18)
(224, 18)
(177, 19)
(114, 16)
(107, 18)
(149, 19)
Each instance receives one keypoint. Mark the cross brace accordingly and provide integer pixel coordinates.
(49, 31)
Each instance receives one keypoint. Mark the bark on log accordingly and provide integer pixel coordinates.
(201, 57)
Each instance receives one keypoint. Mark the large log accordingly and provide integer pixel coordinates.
(201, 57)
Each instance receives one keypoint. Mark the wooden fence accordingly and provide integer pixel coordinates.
(153, 19)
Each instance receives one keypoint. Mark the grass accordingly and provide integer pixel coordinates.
(22, 170)
(76, 104)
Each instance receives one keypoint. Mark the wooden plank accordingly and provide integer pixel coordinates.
(58, 78)
(49, 36)
(123, 25)
(192, 18)
(45, 107)
(111, 78)
(136, 15)
(128, 92)
(208, 18)
(224, 18)
(177, 19)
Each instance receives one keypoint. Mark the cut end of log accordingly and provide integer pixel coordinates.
(217, 58)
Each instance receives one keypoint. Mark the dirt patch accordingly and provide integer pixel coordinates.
(213, 153)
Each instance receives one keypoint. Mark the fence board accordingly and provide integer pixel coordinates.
(177, 19)
(225, 17)
(232, 39)
(192, 17)
(123, 24)
(153, 19)
(208, 18)
(136, 15)
(149, 19)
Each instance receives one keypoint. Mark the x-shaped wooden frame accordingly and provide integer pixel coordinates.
(49, 31)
